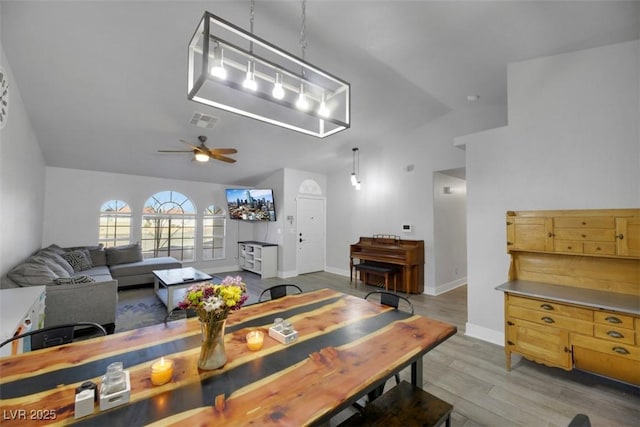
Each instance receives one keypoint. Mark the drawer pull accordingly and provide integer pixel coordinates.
(546, 306)
(620, 350)
(615, 334)
(547, 319)
(584, 236)
(620, 236)
(551, 234)
(613, 319)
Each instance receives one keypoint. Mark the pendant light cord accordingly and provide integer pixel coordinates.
(303, 38)
(251, 17)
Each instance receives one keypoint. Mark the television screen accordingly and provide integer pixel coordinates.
(251, 204)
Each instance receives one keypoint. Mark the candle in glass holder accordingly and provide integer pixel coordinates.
(161, 371)
(255, 340)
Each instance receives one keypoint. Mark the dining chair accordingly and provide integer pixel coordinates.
(279, 291)
(51, 336)
(389, 299)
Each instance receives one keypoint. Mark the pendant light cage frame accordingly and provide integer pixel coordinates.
(217, 42)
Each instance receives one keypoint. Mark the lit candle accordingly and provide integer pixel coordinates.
(161, 371)
(255, 340)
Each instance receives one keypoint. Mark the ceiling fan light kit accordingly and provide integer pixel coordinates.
(261, 81)
(202, 153)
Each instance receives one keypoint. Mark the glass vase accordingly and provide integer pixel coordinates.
(212, 352)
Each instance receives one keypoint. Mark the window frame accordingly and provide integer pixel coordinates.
(214, 214)
(116, 213)
(171, 210)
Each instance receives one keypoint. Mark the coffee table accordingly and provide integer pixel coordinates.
(167, 282)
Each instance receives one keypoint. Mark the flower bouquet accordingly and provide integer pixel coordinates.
(212, 303)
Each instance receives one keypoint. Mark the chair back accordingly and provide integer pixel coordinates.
(279, 291)
(391, 300)
(51, 336)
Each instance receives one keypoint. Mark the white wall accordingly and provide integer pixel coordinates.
(285, 184)
(22, 175)
(391, 194)
(450, 233)
(572, 143)
(73, 199)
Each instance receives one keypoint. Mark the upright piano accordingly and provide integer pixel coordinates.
(407, 255)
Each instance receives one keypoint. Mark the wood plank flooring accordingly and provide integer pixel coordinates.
(470, 373)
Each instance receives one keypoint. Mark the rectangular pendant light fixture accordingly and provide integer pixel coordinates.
(236, 71)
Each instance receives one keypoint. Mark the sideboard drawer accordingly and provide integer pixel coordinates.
(614, 319)
(552, 307)
(552, 319)
(615, 334)
(585, 222)
(607, 347)
(599, 248)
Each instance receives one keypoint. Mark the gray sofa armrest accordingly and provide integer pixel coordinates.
(81, 302)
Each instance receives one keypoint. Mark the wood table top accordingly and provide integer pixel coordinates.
(346, 347)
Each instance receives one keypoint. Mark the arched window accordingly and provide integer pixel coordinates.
(214, 224)
(169, 226)
(115, 224)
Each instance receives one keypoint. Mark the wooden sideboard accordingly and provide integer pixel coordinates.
(573, 295)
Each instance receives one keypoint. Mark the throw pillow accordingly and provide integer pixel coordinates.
(81, 278)
(32, 274)
(124, 254)
(96, 253)
(79, 260)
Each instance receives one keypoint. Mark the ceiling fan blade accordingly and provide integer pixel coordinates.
(175, 151)
(223, 158)
(195, 147)
(223, 151)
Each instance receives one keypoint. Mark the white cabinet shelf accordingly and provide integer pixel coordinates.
(258, 257)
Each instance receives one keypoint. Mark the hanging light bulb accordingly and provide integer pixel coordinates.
(354, 176)
(250, 80)
(278, 90)
(218, 64)
(358, 186)
(201, 157)
(302, 102)
(323, 111)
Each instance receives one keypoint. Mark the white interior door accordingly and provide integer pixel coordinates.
(311, 235)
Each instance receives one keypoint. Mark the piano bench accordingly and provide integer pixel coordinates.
(403, 405)
(378, 270)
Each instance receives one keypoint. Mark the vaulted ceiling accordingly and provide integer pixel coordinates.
(104, 82)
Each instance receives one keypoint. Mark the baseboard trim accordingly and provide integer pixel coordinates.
(484, 334)
(337, 271)
(446, 287)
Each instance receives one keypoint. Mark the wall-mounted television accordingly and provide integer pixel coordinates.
(251, 204)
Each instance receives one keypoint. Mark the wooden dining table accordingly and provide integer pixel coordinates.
(346, 347)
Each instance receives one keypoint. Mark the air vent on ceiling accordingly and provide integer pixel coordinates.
(203, 120)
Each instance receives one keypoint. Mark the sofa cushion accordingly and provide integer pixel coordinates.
(100, 273)
(144, 267)
(124, 254)
(56, 257)
(32, 274)
(55, 248)
(98, 255)
(56, 268)
(81, 278)
(79, 259)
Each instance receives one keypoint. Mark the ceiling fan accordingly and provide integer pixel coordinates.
(202, 153)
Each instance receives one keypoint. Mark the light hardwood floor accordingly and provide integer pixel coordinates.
(470, 373)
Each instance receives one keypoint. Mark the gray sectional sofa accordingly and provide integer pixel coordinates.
(82, 282)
